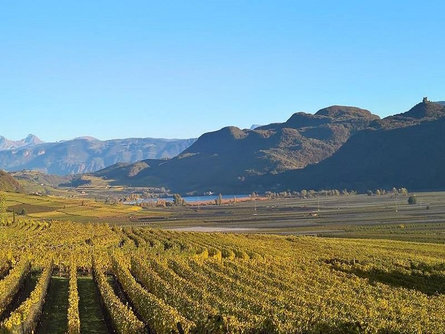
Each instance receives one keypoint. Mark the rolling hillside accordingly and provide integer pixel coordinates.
(222, 160)
(8, 183)
(409, 156)
(338, 147)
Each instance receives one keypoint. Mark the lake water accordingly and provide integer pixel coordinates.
(189, 199)
(207, 198)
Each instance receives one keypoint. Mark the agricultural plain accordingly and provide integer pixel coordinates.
(347, 264)
(132, 280)
(357, 216)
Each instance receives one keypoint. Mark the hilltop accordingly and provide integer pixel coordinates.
(337, 147)
(8, 183)
(408, 151)
(223, 159)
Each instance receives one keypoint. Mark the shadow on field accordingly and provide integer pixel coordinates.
(342, 327)
(54, 318)
(92, 316)
(428, 281)
(24, 292)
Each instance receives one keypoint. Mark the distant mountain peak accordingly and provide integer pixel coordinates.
(89, 138)
(84, 154)
(32, 140)
(254, 126)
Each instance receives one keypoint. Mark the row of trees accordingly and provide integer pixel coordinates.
(179, 201)
(310, 193)
(332, 192)
(394, 191)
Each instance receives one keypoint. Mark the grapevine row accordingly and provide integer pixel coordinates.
(160, 317)
(24, 318)
(73, 302)
(11, 284)
(123, 318)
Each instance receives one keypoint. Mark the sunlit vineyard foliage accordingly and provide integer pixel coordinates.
(227, 283)
(73, 299)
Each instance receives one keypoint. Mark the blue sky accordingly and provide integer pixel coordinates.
(176, 69)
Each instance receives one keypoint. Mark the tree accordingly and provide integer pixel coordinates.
(218, 201)
(412, 200)
(178, 200)
(403, 191)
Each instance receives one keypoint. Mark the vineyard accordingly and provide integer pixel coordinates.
(147, 280)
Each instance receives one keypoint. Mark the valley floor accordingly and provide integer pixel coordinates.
(315, 265)
(355, 216)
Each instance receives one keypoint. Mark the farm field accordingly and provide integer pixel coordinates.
(345, 264)
(98, 278)
(72, 209)
(356, 216)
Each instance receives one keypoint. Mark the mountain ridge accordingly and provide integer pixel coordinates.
(283, 154)
(411, 156)
(30, 140)
(87, 154)
(229, 155)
